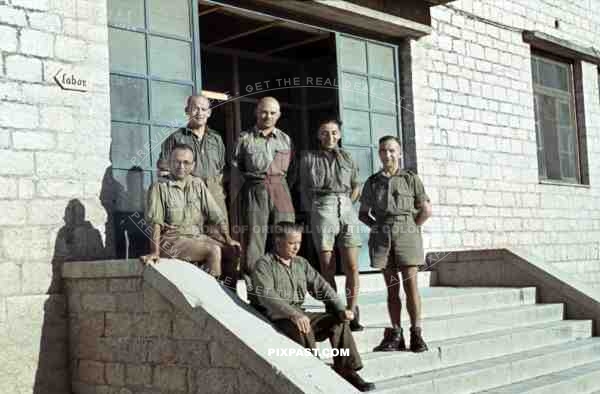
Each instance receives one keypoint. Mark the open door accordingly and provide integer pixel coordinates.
(369, 105)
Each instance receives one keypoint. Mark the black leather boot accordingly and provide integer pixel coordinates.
(417, 344)
(392, 341)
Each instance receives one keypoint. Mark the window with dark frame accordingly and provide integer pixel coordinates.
(555, 119)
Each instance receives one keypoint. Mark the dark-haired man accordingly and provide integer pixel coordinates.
(178, 210)
(281, 280)
(394, 205)
(329, 186)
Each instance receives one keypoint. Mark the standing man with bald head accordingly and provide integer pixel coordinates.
(208, 147)
(209, 162)
(262, 156)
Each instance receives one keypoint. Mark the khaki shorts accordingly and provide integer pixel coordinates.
(334, 219)
(396, 245)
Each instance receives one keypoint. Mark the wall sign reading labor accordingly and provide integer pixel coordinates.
(69, 81)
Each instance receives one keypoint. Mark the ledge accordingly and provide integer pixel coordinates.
(558, 183)
(516, 267)
(561, 47)
(103, 269)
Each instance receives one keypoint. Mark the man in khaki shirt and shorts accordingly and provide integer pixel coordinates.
(394, 205)
(178, 210)
(328, 179)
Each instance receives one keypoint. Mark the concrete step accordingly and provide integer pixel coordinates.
(369, 282)
(456, 351)
(581, 379)
(440, 301)
(444, 327)
(496, 372)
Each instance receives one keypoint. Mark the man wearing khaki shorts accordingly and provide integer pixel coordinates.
(394, 205)
(329, 183)
(178, 211)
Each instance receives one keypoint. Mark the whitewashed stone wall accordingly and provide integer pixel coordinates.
(475, 131)
(54, 147)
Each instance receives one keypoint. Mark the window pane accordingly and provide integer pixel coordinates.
(353, 55)
(128, 98)
(383, 125)
(362, 157)
(171, 17)
(168, 101)
(158, 134)
(163, 51)
(564, 115)
(356, 129)
(126, 13)
(567, 166)
(129, 189)
(554, 75)
(381, 60)
(355, 91)
(127, 51)
(382, 95)
(129, 147)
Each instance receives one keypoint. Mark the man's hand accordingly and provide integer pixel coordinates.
(346, 315)
(150, 258)
(168, 229)
(235, 245)
(302, 322)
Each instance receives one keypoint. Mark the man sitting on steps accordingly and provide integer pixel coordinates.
(280, 281)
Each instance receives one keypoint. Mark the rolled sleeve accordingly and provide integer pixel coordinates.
(211, 211)
(155, 212)
(419, 190)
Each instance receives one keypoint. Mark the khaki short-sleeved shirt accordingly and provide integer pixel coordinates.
(209, 151)
(257, 156)
(323, 171)
(399, 194)
(185, 203)
(280, 289)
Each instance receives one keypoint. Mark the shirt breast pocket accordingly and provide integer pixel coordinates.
(401, 200)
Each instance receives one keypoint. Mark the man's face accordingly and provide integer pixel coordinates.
(329, 135)
(389, 153)
(287, 247)
(181, 163)
(198, 112)
(267, 114)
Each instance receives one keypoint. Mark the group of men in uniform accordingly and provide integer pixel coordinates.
(188, 214)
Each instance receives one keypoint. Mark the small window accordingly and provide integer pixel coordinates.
(555, 119)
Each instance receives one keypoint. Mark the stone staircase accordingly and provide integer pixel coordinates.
(481, 339)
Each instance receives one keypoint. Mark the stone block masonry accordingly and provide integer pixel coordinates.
(134, 330)
(42, 178)
(475, 131)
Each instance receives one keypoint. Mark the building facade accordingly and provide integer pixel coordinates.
(497, 104)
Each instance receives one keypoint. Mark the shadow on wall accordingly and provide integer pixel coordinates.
(123, 198)
(77, 240)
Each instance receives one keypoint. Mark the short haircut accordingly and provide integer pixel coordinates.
(190, 98)
(330, 118)
(388, 138)
(182, 147)
(282, 229)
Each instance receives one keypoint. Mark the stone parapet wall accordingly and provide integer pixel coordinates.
(139, 331)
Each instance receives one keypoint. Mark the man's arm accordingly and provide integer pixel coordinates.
(155, 218)
(321, 290)
(364, 212)
(422, 202)
(275, 307)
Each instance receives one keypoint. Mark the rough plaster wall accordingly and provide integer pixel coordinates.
(54, 149)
